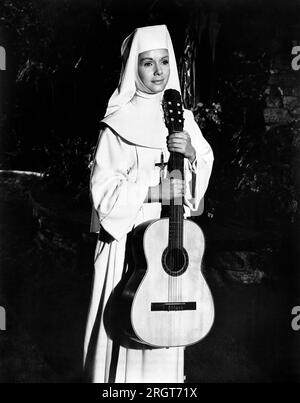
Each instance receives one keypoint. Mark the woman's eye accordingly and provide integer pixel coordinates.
(166, 62)
(147, 64)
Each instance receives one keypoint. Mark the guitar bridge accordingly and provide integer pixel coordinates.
(173, 306)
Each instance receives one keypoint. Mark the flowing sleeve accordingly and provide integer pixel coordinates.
(117, 190)
(198, 173)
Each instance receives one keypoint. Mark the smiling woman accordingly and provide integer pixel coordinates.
(154, 69)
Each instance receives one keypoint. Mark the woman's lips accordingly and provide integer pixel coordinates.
(158, 81)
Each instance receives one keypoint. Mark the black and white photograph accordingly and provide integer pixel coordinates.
(150, 194)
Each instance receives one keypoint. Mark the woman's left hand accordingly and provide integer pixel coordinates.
(180, 142)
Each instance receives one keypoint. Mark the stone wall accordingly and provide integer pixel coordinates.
(283, 100)
(263, 258)
(283, 91)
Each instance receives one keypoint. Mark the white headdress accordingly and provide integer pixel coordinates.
(133, 114)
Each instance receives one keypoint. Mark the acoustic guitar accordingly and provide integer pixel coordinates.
(166, 301)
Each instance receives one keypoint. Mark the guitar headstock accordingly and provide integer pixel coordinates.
(173, 110)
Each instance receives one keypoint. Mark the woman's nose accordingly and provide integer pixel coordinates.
(158, 69)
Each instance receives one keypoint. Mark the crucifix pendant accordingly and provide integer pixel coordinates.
(161, 165)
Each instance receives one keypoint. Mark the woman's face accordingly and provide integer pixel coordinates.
(154, 69)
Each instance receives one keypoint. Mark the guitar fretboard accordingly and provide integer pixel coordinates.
(176, 205)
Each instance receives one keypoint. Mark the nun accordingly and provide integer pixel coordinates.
(128, 187)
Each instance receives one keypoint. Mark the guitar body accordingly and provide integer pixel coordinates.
(167, 310)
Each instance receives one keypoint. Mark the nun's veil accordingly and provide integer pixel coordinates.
(132, 114)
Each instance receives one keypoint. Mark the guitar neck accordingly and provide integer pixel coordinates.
(172, 105)
(176, 171)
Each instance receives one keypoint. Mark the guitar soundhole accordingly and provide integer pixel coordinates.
(175, 261)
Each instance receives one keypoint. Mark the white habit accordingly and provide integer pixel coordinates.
(123, 171)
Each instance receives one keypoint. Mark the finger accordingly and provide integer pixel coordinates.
(177, 144)
(177, 149)
(177, 181)
(177, 141)
(184, 142)
(178, 186)
(178, 192)
(179, 135)
(186, 134)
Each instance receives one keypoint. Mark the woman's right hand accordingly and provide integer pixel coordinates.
(165, 191)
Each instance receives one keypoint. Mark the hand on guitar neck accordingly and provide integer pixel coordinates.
(165, 191)
(180, 142)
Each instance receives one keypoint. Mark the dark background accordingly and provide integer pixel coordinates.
(62, 65)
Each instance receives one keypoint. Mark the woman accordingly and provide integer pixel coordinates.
(127, 189)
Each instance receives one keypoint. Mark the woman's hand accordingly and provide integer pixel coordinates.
(165, 191)
(180, 142)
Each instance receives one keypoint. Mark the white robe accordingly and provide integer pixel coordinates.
(120, 179)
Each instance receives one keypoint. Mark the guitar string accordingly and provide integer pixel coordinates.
(177, 215)
(175, 288)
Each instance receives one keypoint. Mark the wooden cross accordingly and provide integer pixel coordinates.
(161, 165)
